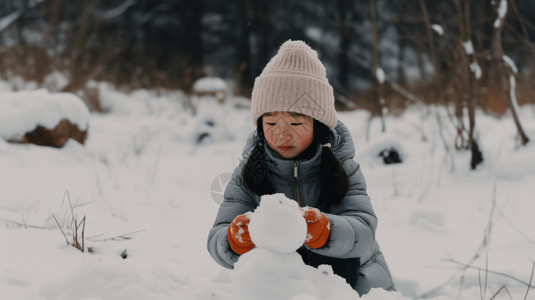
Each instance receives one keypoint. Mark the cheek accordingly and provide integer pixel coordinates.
(305, 140)
(268, 135)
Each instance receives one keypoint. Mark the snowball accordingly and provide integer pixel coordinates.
(278, 224)
(273, 270)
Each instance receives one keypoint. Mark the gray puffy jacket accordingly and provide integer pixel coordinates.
(353, 221)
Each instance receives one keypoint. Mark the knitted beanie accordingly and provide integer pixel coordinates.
(294, 80)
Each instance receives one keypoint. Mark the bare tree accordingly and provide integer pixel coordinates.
(473, 72)
(506, 68)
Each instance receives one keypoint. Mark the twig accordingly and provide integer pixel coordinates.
(502, 288)
(99, 185)
(72, 210)
(486, 275)
(83, 234)
(482, 246)
(155, 165)
(120, 237)
(516, 228)
(23, 221)
(21, 224)
(64, 235)
(443, 139)
(466, 266)
(530, 280)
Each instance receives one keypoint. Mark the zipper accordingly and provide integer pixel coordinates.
(297, 183)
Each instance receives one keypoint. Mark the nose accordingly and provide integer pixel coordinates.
(285, 134)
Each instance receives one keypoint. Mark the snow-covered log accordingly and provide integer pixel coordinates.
(41, 118)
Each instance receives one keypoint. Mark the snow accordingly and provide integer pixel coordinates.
(512, 82)
(6, 21)
(379, 143)
(262, 274)
(119, 10)
(476, 69)
(278, 225)
(502, 11)
(468, 47)
(438, 29)
(380, 74)
(209, 84)
(144, 186)
(21, 112)
(273, 270)
(510, 63)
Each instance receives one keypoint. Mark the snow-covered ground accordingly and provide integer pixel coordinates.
(149, 192)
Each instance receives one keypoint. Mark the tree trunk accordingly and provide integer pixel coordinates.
(345, 43)
(377, 71)
(262, 12)
(244, 82)
(506, 71)
(472, 69)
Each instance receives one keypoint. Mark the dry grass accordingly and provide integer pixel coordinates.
(77, 227)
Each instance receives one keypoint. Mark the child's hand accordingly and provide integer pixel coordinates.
(318, 227)
(238, 234)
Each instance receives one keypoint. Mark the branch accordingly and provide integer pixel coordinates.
(120, 237)
(20, 224)
(466, 266)
(501, 289)
(530, 280)
(13, 17)
(66, 239)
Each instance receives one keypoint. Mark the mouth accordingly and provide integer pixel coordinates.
(285, 148)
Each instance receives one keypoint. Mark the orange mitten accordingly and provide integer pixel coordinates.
(238, 234)
(318, 227)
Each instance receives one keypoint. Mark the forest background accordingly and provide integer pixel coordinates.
(380, 55)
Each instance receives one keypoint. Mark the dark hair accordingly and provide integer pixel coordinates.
(333, 178)
(254, 172)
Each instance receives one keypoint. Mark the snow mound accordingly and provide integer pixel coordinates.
(21, 112)
(99, 281)
(273, 270)
(278, 224)
(262, 274)
(209, 84)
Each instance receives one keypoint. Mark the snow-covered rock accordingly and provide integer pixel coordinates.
(273, 270)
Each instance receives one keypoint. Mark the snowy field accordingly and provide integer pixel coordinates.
(145, 188)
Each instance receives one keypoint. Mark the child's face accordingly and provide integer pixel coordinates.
(287, 133)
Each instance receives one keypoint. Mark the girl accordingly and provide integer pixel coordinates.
(300, 149)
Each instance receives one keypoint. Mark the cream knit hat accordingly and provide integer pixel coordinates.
(294, 80)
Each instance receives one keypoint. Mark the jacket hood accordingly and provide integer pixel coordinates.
(340, 139)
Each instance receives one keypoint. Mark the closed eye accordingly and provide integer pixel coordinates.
(271, 124)
(296, 124)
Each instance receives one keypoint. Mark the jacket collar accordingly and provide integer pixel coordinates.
(285, 168)
(341, 144)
